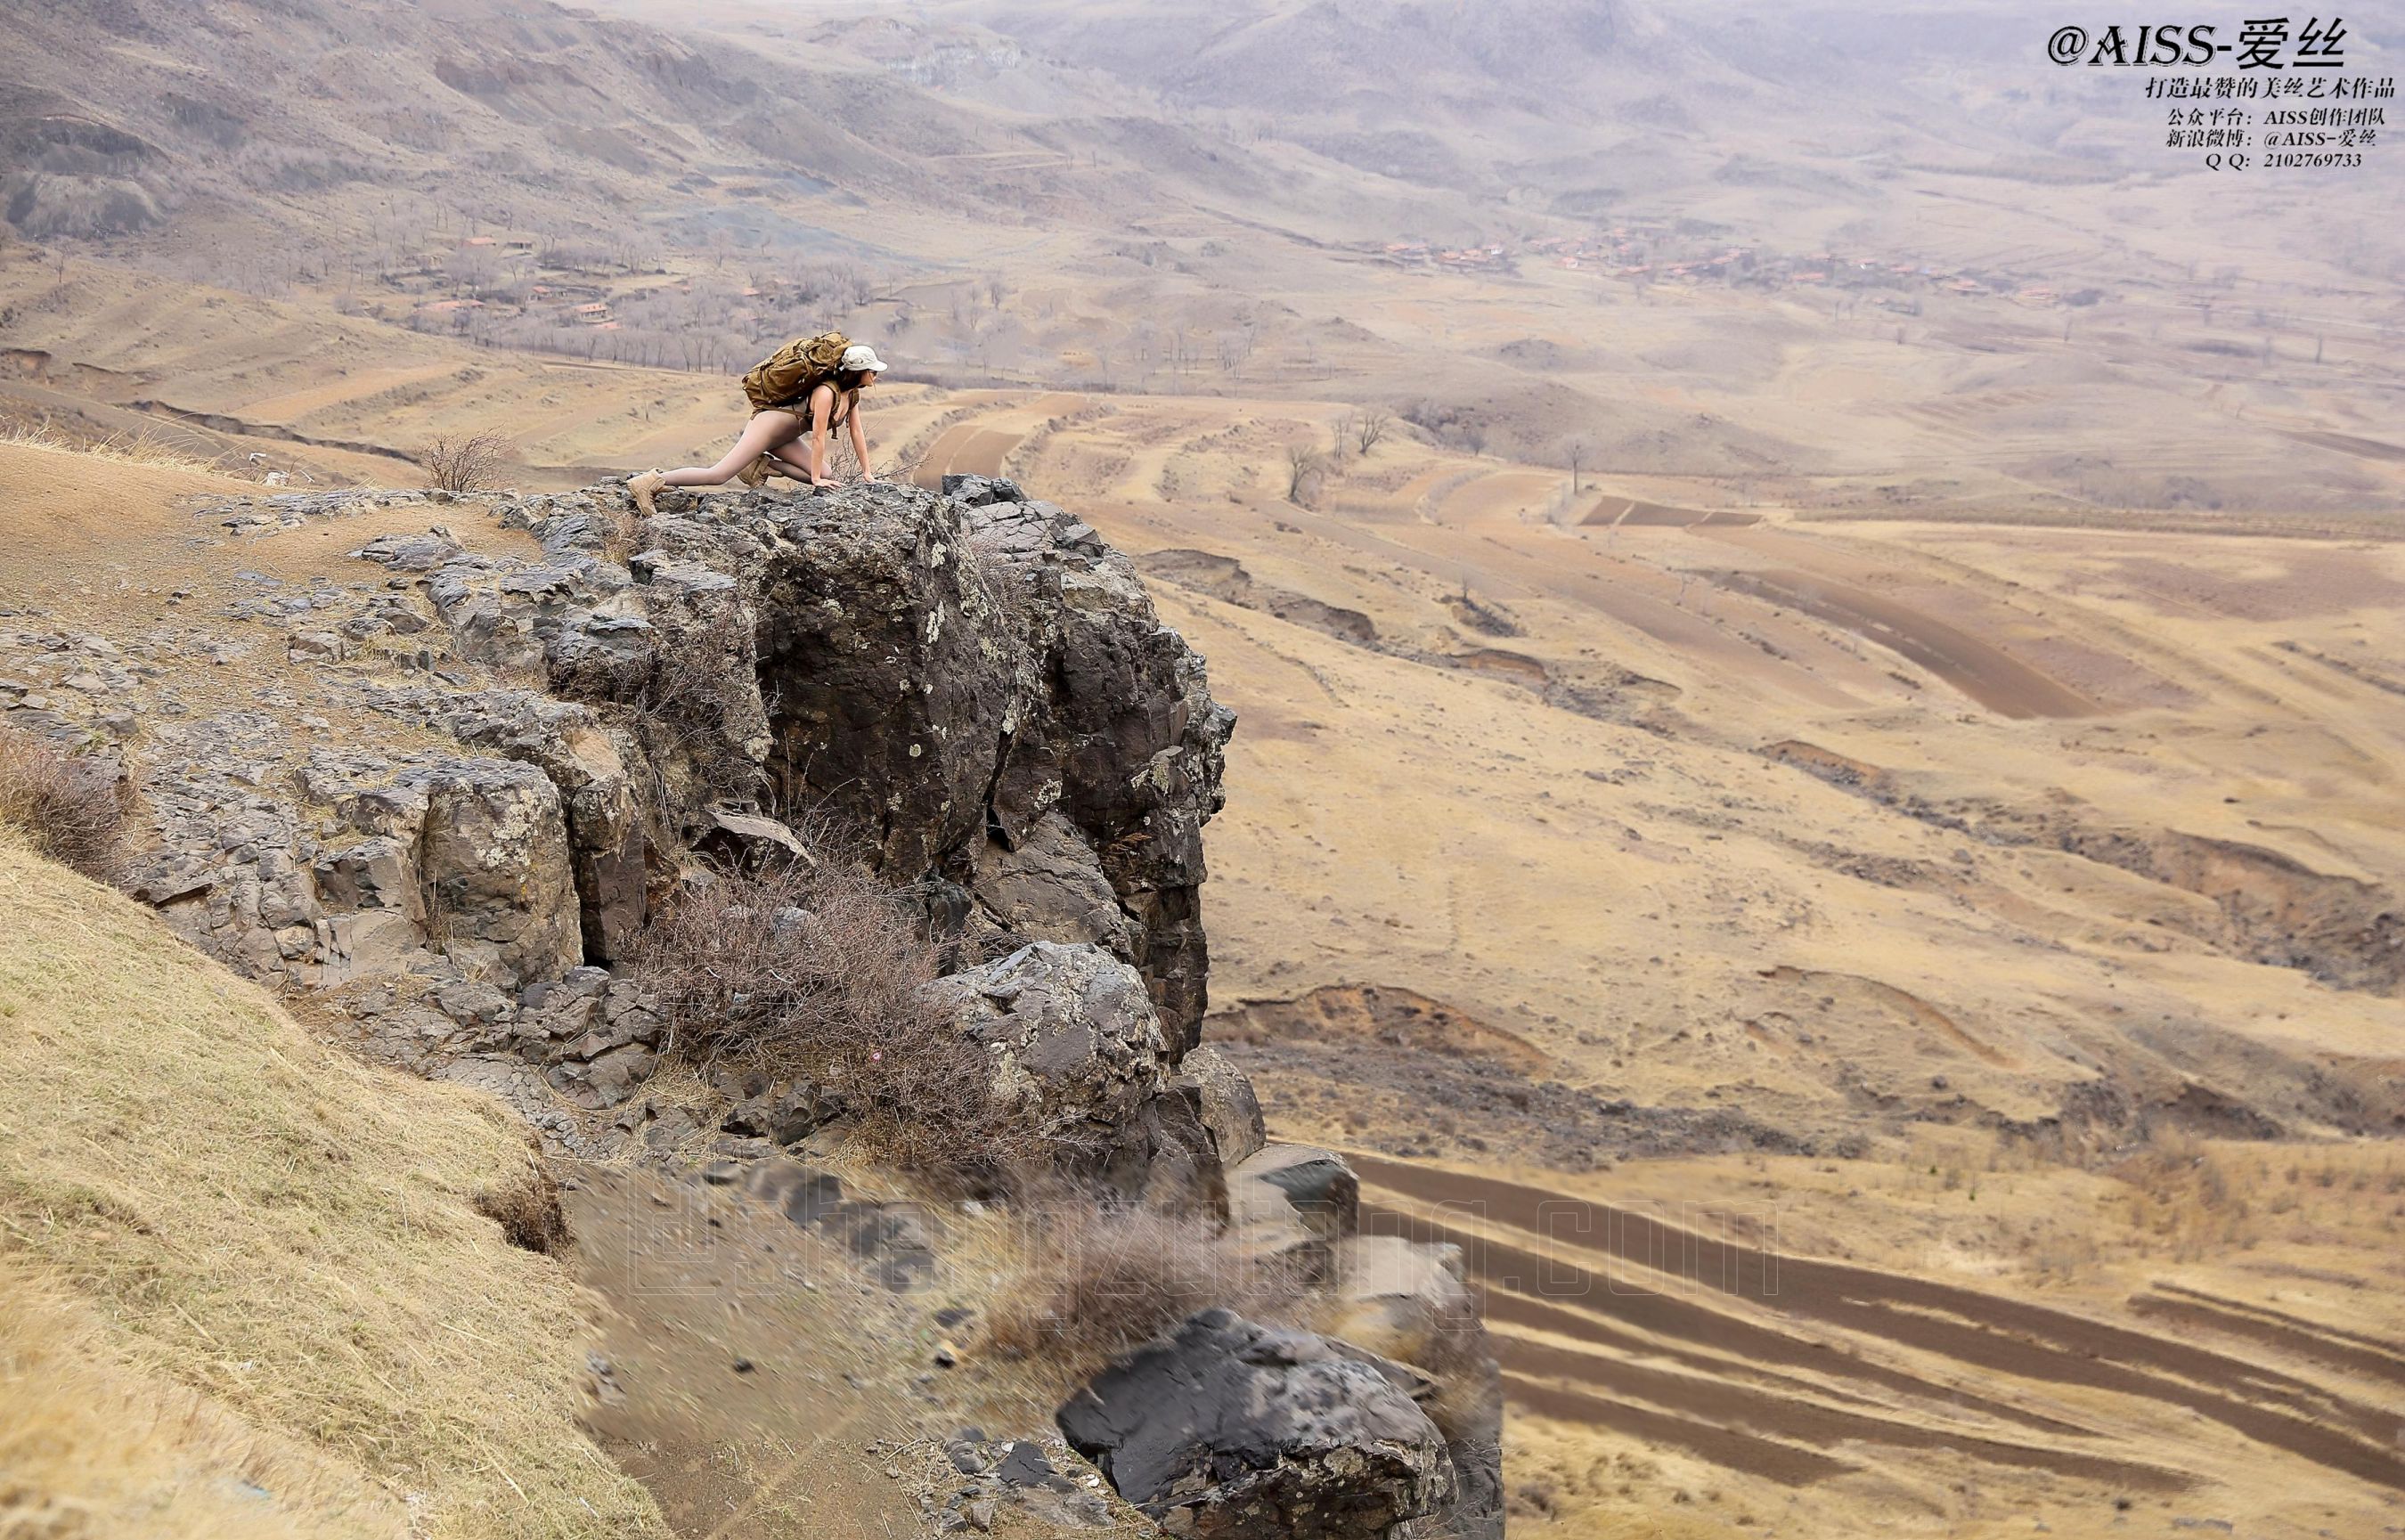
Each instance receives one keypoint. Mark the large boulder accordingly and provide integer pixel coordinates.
(469, 854)
(1078, 1048)
(1410, 1302)
(1235, 1431)
(592, 765)
(976, 687)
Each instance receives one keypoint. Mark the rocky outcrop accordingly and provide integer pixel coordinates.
(1015, 1474)
(973, 684)
(1242, 1432)
(1077, 1045)
(983, 689)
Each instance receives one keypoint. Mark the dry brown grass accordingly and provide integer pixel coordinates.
(70, 808)
(2181, 1194)
(821, 973)
(144, 447)
(92, 1445)
(284, 1230)
(1097, 1281)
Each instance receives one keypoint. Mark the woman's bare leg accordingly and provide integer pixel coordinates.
(766, 431)
(793, 457)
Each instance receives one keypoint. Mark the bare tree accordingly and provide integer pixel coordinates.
(1370, 428)
(469, 462)
(1576, 451)
(1304, 466)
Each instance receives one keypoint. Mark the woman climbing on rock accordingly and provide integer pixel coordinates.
(807, 387)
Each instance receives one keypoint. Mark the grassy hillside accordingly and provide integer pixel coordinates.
(251, 1290)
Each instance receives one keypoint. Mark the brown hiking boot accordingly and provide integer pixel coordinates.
(755, 473)
(645, 488)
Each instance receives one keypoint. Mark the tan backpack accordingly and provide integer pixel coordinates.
(786, 377)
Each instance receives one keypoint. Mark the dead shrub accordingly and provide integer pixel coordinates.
(1099, 1281)
(526, 1208)
(821, 972)
(465, 462)
(71, 809)
(701, 673)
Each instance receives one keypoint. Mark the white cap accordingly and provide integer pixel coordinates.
(861, 358)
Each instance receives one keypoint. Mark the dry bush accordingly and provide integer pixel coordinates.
(1098, 1282)
(465, 463)
(822, 972)
(526, 1208)
(71, 809)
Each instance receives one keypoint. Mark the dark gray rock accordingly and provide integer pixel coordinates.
(893, 1242)
(1017, 1474)
(605, 1079)
(1223, 1101)
(1242, 1432)
(1079, 1047)
(977, 491)
(1050, 886)
(1319, 1183)
(784, 1111)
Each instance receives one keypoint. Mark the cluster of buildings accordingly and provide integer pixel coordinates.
(1655, 253)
